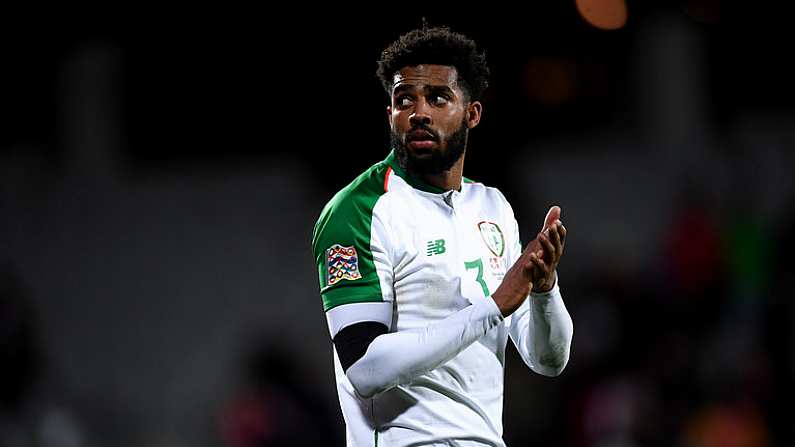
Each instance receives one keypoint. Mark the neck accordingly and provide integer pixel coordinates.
(450, 179)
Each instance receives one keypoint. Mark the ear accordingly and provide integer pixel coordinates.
(389, 115)
(474, 112)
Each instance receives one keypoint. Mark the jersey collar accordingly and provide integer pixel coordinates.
(415, 182)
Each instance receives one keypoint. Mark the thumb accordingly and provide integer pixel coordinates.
(552, 216)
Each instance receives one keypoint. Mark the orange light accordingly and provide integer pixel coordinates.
(603, 14)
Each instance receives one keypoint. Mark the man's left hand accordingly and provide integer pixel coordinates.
(551, 241)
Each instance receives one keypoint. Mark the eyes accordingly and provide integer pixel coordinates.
(436, 99)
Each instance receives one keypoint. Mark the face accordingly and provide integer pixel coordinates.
(430, 117)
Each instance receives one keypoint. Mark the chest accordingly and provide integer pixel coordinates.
(449, 256)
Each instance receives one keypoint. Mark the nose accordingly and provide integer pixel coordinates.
(421, 114)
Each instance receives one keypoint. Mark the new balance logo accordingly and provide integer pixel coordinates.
(435, 247)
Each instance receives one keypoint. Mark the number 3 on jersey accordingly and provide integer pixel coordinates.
(478, 264)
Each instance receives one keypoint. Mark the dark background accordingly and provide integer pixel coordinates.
(161, 171)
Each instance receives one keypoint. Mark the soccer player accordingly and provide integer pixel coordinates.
(422, 273)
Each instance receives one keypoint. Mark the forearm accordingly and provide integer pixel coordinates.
(398, 357)
(543, 332)
(552, 332)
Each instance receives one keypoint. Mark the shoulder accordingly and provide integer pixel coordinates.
(351, 208)
(489, 194)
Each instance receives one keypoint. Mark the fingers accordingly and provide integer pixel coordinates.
(550, 251)
(549, 244)
(543, 254)
(554, 234)
(558, 236)
(552, 215)
(534, 247)
(552, 243)
(539, 263)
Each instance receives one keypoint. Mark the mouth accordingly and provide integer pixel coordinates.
(420, 139)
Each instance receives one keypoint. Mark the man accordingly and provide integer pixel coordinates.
(422, 274)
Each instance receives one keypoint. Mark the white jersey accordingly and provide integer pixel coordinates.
(388, 237)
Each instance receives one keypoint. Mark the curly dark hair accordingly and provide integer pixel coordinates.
(439, 46)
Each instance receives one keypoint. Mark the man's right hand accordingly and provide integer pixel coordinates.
(517, 282)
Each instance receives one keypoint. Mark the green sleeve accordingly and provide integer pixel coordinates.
(341, 243)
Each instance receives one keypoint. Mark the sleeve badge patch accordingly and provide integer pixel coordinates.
(342, 263)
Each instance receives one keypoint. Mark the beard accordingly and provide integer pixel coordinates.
(440, 160)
